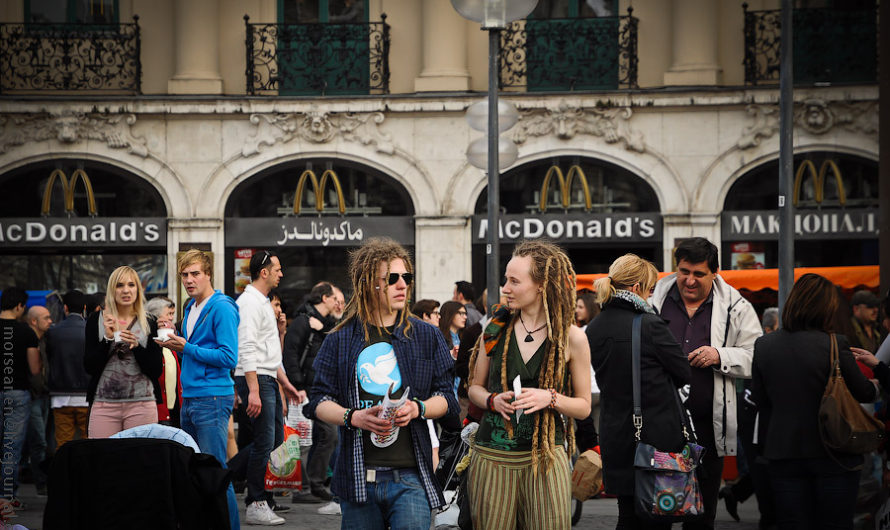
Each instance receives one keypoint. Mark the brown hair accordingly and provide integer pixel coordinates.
(625, 272)
(812, 304)
(363, 264)
(447, 314)
(553, 271)
(588, 298)
(196, 256)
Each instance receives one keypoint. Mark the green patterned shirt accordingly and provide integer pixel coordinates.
(492, 433)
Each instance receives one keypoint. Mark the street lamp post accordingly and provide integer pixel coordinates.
(494, 15)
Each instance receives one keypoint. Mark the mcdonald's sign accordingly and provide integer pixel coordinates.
(68, 188)
(318, 188)
(808, 168)
(565, 187)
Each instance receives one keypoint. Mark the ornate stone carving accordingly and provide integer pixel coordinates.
(815, 116)
(318, 127)
(72, 128)
(566, 121)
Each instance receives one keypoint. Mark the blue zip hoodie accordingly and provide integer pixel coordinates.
(211, 352)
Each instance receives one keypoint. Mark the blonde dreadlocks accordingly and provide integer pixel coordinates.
(553, 271)
(364, 302)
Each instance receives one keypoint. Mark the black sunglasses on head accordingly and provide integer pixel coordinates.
(393, 277)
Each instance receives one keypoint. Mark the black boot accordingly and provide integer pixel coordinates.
(732, 504)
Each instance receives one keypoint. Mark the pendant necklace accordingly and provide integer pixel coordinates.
(528, 337)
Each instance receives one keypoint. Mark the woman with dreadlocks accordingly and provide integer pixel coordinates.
(519, 472)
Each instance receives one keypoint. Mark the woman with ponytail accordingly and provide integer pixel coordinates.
(519, 472)
(663, 369)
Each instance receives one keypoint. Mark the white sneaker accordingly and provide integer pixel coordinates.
(259, 513)
(331, 508)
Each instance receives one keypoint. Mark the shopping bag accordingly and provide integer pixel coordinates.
(284, 470)
(303, 425)
(587, 476)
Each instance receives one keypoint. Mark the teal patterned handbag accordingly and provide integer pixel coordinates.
(666, 487)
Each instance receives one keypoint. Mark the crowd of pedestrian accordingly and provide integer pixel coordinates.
(545, 372)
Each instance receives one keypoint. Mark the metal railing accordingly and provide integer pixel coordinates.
(65, 57)
(830, 46)
(570, 54)
(318, 58)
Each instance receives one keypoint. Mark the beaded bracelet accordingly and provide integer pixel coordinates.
(490, 402)
(421, 408)
(552, 398)
(347, 418)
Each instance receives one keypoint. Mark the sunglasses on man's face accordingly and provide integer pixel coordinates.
(393, 278)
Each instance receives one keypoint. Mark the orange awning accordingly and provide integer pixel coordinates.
(755, 280)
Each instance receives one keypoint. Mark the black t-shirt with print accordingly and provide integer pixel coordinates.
(376, 369)
(15, 339)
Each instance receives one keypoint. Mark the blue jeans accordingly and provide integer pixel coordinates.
(14, 414)
(36, 438)
(206, 419)
(815, 492)
(397, 501)
(268, 433)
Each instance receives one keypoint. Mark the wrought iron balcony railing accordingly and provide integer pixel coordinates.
(831, 45)
(83, 57)
(318, 59)
(570, 54)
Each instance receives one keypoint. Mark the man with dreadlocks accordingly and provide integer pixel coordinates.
(380, 349)
(519, 471)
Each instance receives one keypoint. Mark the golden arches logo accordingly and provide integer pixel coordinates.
(819, 180)
(68, 188)
(318, 188)
(565, 186)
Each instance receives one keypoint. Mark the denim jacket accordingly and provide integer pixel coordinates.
(425, 366)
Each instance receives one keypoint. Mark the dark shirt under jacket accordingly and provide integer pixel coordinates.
(694, 333)
(789, 377)
(663, 369)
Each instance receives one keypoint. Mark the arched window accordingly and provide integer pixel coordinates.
(612, 189)
(365, 191)
(835, 198)
(312, 238)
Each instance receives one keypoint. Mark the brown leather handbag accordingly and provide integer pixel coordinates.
(844, 425)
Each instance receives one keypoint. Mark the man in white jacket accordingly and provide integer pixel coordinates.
(257, 377)
(716, 328)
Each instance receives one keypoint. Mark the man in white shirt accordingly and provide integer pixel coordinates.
(257, 376)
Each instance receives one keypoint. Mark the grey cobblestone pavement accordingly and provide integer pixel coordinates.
(597, 514)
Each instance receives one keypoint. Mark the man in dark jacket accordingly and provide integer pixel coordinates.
(302, 341)
(68, 380)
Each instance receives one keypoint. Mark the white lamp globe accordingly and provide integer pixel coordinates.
(494, 13)
(477, 115)
(477, 153)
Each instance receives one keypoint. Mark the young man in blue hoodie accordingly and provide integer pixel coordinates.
(208, 353)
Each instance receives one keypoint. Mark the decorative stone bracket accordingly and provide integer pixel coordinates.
(815, 116)
(71, 128)
(566, 121)
(318, 127)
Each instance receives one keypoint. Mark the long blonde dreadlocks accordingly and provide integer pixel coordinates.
(363, 263)
(553, 271)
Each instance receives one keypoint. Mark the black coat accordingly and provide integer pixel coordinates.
(299, 339)
(97, 352)
(789, 377)
(663, 369)
(135, 483)
(64, 354)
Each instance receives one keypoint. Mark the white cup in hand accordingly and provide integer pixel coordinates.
(164, 334)
(117, 337)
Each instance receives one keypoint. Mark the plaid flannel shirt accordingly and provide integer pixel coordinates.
(425, 366)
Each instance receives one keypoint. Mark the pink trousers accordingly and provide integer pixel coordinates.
(108, 417)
